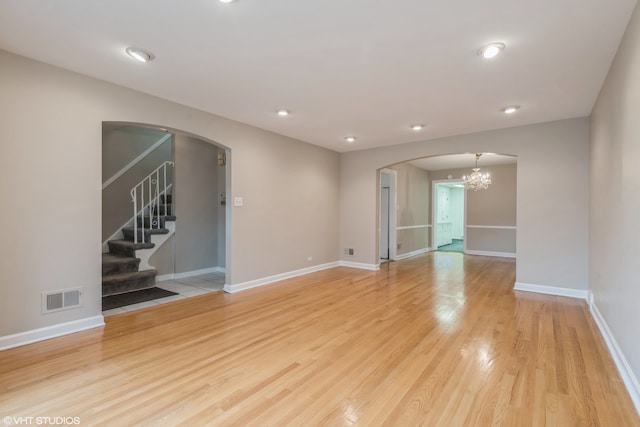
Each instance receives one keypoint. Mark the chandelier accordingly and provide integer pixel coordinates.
(476, 180)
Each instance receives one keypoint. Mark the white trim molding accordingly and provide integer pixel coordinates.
(411, 227)
(48, 332)
(552, 290)
(490, 253)
(495, 227)
(360, 265)
(628, 377)
(276, 278)
(184, 275)
(412, 254)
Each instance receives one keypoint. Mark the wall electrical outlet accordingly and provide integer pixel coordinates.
(349, 251)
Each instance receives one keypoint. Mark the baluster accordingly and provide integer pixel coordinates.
(149, 204)
(165, 189)
(142, 208)
(135, 214)
(158, 198)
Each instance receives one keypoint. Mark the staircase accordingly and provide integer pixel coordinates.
(153, 224)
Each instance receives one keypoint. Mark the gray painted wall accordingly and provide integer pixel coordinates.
(497, 205)
(123, 143)
(196, 204)
(117, 208)
(290, 189)
(615, 197)
(199, 241)
(413, 193)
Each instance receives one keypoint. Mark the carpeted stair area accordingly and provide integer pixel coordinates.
(120, 267)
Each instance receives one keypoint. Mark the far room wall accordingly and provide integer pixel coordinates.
(552, 226)
(198, 243)
(494, 207)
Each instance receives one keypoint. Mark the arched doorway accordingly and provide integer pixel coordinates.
(487, 223)
(189, 248)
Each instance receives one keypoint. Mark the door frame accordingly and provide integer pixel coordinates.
(434, 210)
(393, 209)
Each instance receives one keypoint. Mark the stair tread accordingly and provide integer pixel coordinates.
(167, 217)
(150, 231)
(109, 258)
(130, 244)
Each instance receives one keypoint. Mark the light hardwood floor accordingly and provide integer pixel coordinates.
(436, 340)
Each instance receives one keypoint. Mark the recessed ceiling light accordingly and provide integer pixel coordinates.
(350, 138)
(491, 50)
(226, 1)
(283, 113)
(510, 109)
(139, 54)
(417, 127)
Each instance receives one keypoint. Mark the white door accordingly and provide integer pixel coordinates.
(384, 222)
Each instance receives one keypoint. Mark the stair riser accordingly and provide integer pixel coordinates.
(121, 250)
(154, 221)
(120, 267)
(129, 233)
(164, 210)
(112, 287)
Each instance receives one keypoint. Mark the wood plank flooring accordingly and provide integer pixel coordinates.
(436, 340)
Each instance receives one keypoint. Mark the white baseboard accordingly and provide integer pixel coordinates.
(266, 280)
(491, 253)
(412, 254)
(175, 276)
(28, 337)
(628, 377)
(360, 265)
(551, 290)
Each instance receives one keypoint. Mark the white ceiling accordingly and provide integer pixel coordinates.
(459, 161)
(351, 67)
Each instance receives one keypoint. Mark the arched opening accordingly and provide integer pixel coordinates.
(174, 241)
(433, 210)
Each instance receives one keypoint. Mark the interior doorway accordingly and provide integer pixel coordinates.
(449, 213)
(171, 176)
(387, 215)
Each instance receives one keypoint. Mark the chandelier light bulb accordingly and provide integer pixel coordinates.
(476, 180)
